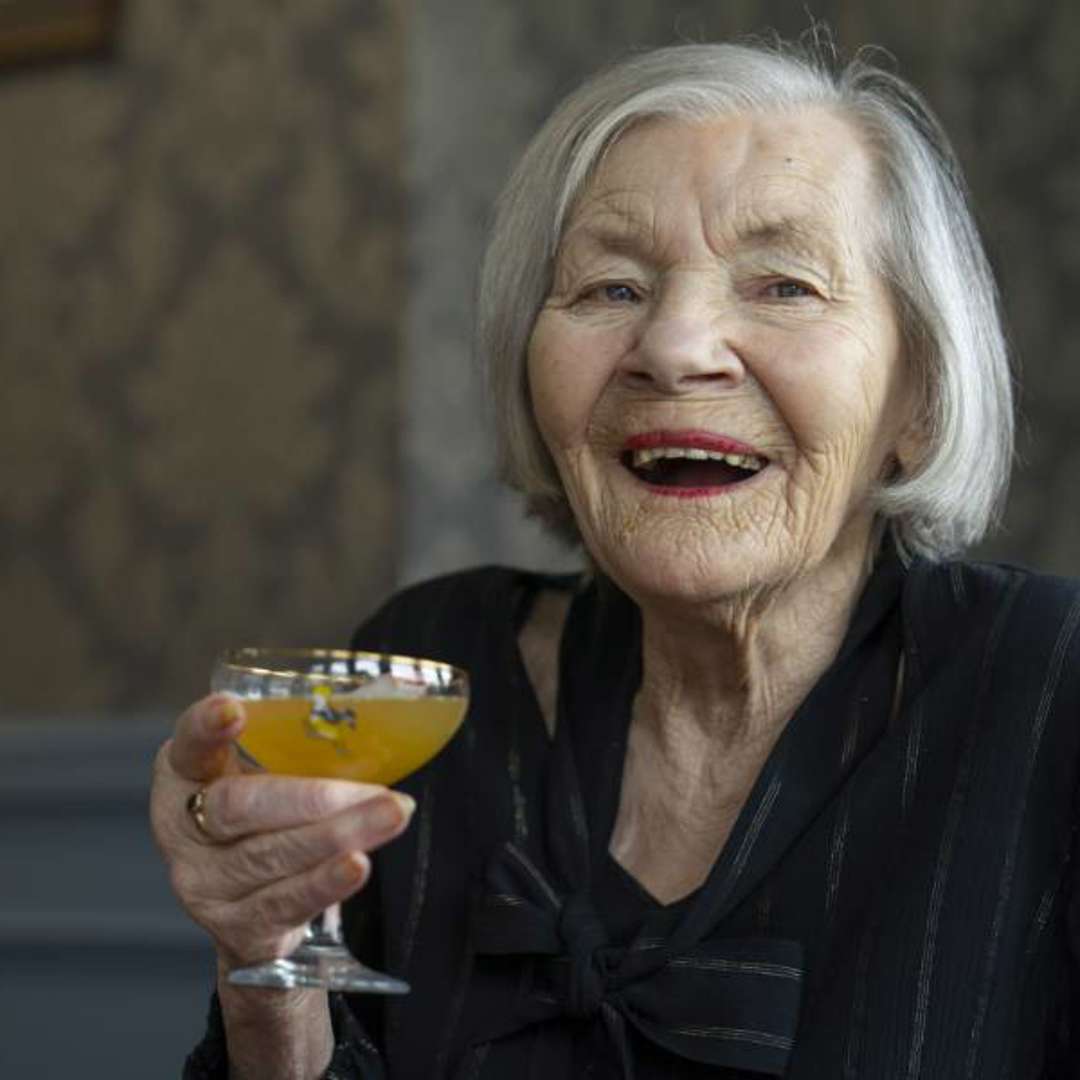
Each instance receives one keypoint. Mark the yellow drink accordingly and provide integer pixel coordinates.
(372, 717)
(377, 740)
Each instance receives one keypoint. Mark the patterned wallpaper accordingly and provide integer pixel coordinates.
(200, 309)
(236, 279)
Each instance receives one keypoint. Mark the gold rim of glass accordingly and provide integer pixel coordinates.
(234, 660)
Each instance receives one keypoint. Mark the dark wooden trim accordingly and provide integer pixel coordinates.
(26, 35)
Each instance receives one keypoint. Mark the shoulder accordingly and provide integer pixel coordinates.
(1006, 624)
(455, 612)
(968, 590)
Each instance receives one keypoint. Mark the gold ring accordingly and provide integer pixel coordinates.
(196, 807)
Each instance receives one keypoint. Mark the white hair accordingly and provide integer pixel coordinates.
(930, 256)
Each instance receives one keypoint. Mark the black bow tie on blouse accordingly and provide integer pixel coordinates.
(730, 1002)
(709, 998)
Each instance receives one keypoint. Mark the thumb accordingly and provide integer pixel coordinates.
(202, 746)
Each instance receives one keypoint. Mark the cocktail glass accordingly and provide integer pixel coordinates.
(371, 717)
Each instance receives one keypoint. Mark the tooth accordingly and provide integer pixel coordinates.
(643, 459)
(746, 461)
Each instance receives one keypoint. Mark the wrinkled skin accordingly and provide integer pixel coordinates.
(719, 276)
(281, 848)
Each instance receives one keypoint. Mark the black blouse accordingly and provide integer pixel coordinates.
(894, 902)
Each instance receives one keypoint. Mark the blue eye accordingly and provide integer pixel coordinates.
(790, 290)
(613, 293)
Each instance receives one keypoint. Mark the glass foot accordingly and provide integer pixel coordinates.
(320, 967)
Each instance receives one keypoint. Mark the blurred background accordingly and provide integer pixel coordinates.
(238, 245)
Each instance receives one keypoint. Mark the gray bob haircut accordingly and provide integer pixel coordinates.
(929, 254)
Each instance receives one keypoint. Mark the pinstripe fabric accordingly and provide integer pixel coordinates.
(420, 873)
(838, 844)
(1008, 868)
(417, 891)
(948, 840)
(918, 844)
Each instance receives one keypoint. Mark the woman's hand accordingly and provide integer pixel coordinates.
(267, 854)
(275, 851)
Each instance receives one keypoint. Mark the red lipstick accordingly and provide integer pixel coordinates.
(693, 478)
(692, 439)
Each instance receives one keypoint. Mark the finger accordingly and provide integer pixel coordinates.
(201, 747)
(245, 804)
(272, 912)
(251, 863)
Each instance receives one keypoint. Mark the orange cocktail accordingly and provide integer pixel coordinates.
(321, 713)
(376, 740)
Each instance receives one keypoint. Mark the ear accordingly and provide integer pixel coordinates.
(913, 438)
(912, 443)
(906, 453)
(912, 446)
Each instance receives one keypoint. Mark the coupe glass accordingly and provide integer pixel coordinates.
(348, 715)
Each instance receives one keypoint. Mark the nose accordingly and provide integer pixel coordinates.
(681, 351)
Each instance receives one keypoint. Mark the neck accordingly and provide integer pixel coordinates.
(730, 672)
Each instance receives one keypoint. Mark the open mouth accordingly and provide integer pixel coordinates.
(685, 469)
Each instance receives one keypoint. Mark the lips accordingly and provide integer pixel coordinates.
(690, 463)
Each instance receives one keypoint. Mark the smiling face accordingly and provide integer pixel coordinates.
(717, 372)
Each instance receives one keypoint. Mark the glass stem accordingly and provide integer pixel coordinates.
(324, 931)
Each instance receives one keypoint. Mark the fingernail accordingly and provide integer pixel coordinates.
(406, 802)
(227, 713)
(348, 869)
(385, 814)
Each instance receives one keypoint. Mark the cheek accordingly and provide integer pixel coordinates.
(836, 399)
(565, 385)
(822, 421)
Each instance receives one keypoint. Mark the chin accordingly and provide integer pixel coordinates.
(652, 568)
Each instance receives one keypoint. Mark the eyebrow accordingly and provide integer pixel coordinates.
(625, 232)
(611, 228)
(801, 235)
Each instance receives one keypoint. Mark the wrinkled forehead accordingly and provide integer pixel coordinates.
(795, 177)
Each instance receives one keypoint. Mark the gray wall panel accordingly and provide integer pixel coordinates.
(101, 975)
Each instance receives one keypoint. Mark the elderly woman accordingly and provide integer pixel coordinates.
(774, 789)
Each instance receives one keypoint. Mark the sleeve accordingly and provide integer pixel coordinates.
(1063, 1046)
(1063, 1027)
(355, 1056)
